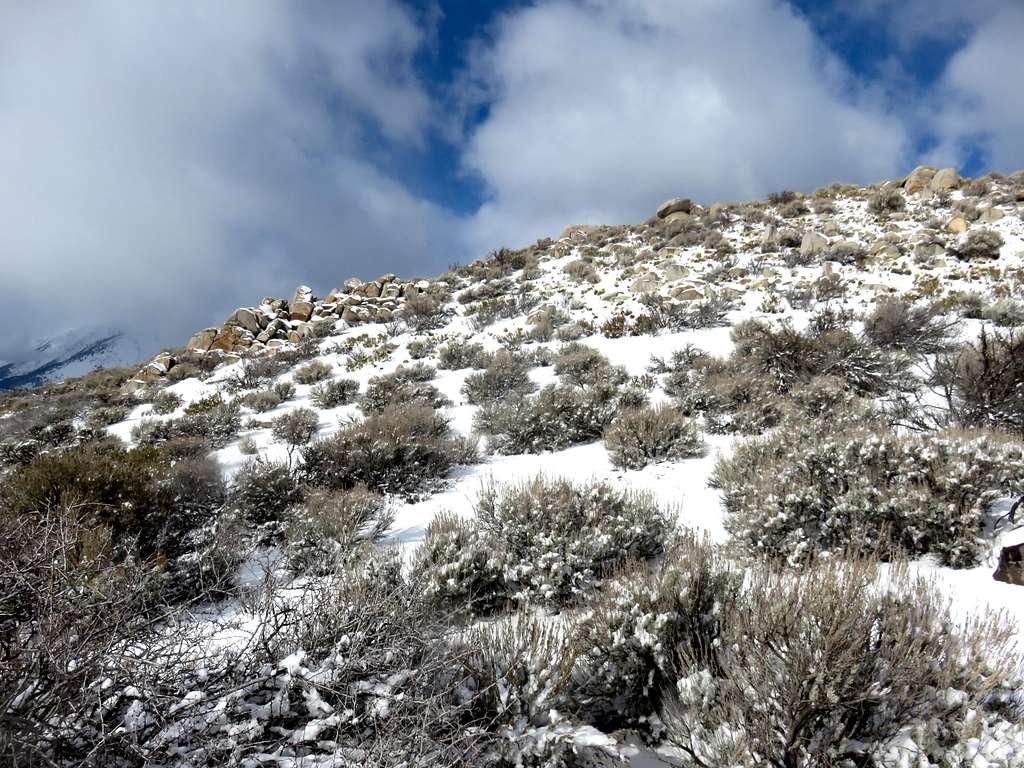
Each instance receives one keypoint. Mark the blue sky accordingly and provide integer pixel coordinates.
(166, 163)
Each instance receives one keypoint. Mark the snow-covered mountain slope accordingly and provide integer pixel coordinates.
(69, 354)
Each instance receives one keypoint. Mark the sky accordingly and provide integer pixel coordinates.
(164, 163)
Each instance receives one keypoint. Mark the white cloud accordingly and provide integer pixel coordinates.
(603, 107)
(163, 163)
(979, 102)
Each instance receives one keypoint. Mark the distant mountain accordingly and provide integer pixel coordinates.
(68, 354)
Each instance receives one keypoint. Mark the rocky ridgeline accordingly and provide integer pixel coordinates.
(917, 227)
(279, 322)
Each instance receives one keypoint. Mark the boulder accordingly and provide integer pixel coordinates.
(944, 180)
(352, 284)
(688, 293)
(812, 244)
(372, 289)
(645, 284)
(990, 215)
(957, 225)
(246, 318)
(681, 216)
(675, 205)
(918, 179)
(674, 271)
(302, 303)
(232, 337)
(1011, 565)
(203, 339)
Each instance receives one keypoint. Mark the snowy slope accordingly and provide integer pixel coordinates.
(68, 354)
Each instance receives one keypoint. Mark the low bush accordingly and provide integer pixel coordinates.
(255, 372)
(295, 428)
(262, 401)
(886, 201)
(312, 372)
(555, 418)
(334, 393)
(978, 244)
(406, 385)
(630, 638)
(457, 567)
(825, 668)
(640, 436)
(816, 487)
(263, 490)
(456, 355)
(558, 540)
(324, 533)
(394, 451)
(506, 374)
(914, 329)
(214, 425)
(166, 402)
(545, 539)
(981, 382)
(584, 366)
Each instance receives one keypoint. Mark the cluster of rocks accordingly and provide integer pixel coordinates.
(278, 322)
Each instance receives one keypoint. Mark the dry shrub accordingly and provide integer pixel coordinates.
(914, 329)
(815, 487)
(640, 436)
(394, 451)
(456, 355)
(982, 382)
(828, 668)
(327, 529)
(555, 418)
(313, 372)
(507, 373)
(333, 393)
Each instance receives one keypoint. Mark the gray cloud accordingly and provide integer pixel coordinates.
(165, 162)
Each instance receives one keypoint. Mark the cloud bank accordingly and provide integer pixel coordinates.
(164, 163)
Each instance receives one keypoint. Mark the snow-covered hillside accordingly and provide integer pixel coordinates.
(69, 354)
(658, 365)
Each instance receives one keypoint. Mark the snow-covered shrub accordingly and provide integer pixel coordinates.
(254, 372)
(915, 329)
(978, 244)
(885, 201)
(335, 392)
(583, 366)
(555, 418)
(323, 532)
(640, 436)
(558, 540)
(982, 382)
(822, 487)
(263, 490)
(347, 671)
(262, 400)
(582, 271)
(394, 451)
(629, 639)
(402, 386)
(1008, 313)
(70, 602)
(166, 402)
(520, 671)
(458, 354)
(826, 667)
(312, 372)
(457, 567)
(747, 391)
(295, 428)
(505, 374)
